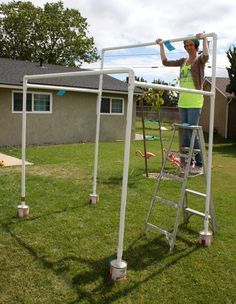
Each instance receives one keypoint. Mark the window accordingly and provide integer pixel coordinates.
(17, 104)
(105, 105)
(35, 102)
(111, 105)
(41, 102)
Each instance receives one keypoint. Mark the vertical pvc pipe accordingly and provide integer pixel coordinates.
(23, 142)
(211, 132)
(99, 97)
(126, 166)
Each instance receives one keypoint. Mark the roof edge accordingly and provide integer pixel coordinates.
(209, 80)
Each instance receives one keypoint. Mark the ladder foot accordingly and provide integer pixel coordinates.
(172, 245)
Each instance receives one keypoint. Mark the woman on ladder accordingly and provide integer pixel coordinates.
(191, 77)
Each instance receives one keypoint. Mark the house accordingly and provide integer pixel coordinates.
(59, 116)
(225, 109)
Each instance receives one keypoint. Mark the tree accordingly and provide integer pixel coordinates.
(169, 98)
(231, 55)
(52, 34)
(153, 97)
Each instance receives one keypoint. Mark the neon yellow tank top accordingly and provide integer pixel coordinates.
(188, 100)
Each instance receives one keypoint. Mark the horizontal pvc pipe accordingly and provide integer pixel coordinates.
(51, 87)
(78, 73)
(154, 42)
(172, 88)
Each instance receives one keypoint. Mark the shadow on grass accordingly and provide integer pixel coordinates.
(224, 146)
(134, 178)
(141, 255)
(228, 149)
(147, 259)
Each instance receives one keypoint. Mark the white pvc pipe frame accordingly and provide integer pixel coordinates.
(131, 86)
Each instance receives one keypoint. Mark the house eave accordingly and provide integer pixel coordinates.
(10, 86)
(221, 92)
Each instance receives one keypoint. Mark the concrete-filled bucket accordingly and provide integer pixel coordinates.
(23, 211)
(205, 238)
(93, 199)
(118, 270)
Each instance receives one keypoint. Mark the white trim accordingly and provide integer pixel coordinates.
(14, 87)
(32, 93)
(120, 92)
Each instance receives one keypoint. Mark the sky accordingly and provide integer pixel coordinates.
(126, 22)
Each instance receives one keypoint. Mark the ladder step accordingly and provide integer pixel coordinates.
(188, 148)
(198, 213)
(167, 202)
(158, 229)
(186, 126)
(195, 193)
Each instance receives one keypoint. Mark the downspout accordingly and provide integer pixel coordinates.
(229, 99)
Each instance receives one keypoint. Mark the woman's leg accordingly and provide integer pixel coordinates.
(183, 113)
(184, 136)
(193, 119)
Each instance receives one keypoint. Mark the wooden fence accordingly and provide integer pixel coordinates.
(167, 114)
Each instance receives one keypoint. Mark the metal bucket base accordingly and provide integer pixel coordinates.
(23, 210)
(205, 238)
(93, 199)
(118, 270)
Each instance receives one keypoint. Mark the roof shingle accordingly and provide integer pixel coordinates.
(12, 72)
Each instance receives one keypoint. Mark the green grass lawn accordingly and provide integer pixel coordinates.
(61, 253)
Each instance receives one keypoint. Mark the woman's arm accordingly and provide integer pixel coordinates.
(164, 59)
(159, 41)
(205, 51)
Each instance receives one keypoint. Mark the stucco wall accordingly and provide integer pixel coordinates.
(231, 120)
(73, 119)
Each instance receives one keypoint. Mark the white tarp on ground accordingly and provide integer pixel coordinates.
(11, 161)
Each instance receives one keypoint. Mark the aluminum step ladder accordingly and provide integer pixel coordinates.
(187, 155)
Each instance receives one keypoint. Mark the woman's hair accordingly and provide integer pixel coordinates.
(195, 41)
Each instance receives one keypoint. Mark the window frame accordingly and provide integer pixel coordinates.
(33, 93)
(111, 98)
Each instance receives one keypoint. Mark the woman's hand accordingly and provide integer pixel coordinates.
(200, 36)
(159, 41)
(205, 43)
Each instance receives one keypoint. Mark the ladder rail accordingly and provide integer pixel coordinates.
(159, 180)
(205, 163)
(182, 193)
